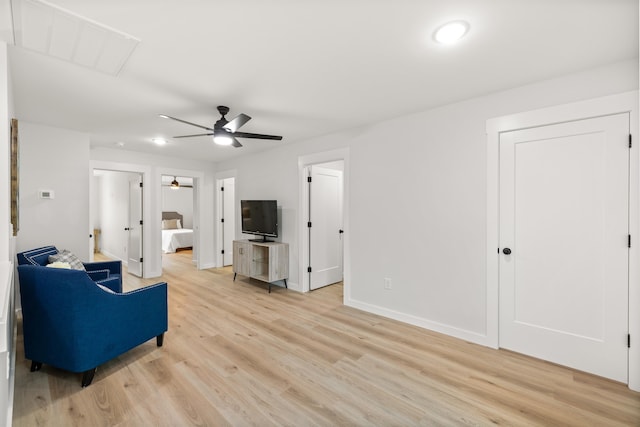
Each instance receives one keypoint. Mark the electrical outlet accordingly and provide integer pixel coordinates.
(387, 283)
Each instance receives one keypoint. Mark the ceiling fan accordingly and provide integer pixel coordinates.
(224, 131)
(175, 185)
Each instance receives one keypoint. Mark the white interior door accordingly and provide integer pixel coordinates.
(229, 216)
(325, 236)
(134, 241)
(564, 217)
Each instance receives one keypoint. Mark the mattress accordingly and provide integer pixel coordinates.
(176, 239)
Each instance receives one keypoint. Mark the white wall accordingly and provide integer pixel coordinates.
(58, 160)
(181, 201)
(6, 114)
(417, 188)
(7, 370)
(158, 166)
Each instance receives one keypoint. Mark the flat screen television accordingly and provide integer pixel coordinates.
(259, 217)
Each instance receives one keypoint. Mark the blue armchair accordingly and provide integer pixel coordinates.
(71, 323)
(106, 273)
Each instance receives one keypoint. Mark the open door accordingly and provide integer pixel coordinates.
(228, 220)
(134, 230)
(325, 231)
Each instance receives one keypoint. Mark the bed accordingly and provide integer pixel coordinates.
(175, 237)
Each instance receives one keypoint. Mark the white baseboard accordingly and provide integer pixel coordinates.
(452, 331)
(293, 286)
(113, 257)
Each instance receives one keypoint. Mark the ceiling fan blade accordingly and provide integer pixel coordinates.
(236, 143)
(189, 136)
(256, 136)
(236, 123)
(164, 116)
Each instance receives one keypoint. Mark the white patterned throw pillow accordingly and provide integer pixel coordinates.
(66, 256)
(58, 264)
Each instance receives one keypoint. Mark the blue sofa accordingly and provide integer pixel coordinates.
(106, 273)
(73, 324)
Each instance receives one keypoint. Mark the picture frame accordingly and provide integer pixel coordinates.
(15, 188)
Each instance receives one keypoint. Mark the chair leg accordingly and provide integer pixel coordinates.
(160, 339)
(87, 377)
(35, 366)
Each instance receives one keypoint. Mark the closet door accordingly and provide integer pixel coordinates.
(564, 230)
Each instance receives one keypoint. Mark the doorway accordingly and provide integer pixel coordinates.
(117, 217)
(325, 193)
(178, 208)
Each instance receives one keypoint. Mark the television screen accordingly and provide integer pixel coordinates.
(259, 217)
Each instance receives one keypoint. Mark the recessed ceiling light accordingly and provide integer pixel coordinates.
(120, 144)
(451, 32)
(159, 141)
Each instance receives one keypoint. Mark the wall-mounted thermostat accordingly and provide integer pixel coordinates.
(46, 194)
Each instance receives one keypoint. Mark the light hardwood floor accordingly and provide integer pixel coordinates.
(235, 355)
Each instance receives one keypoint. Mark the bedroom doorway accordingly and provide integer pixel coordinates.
(178, 216)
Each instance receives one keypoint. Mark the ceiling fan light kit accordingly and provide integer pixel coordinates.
(175, 185)
(224, 131)
(223, 139)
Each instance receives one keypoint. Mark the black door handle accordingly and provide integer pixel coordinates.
(506, 251)
(127, 229)
(340, 231)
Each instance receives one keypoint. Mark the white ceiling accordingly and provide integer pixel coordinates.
(305, 68)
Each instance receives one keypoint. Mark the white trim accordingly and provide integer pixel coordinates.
(303, 249)
(115, 257)
(145, 171)
(421, 322)
(621, 103)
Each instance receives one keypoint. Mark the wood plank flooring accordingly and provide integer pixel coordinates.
(236, 355)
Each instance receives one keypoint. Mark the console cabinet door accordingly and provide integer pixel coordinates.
(242, 258)
(278, 262)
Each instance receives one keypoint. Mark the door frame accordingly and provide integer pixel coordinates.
(198, 203)
(145, 172)
(309, 171)
(615, 104)
(220, 177)
(303, 190)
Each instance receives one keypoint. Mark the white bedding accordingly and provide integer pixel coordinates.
(176, 239)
